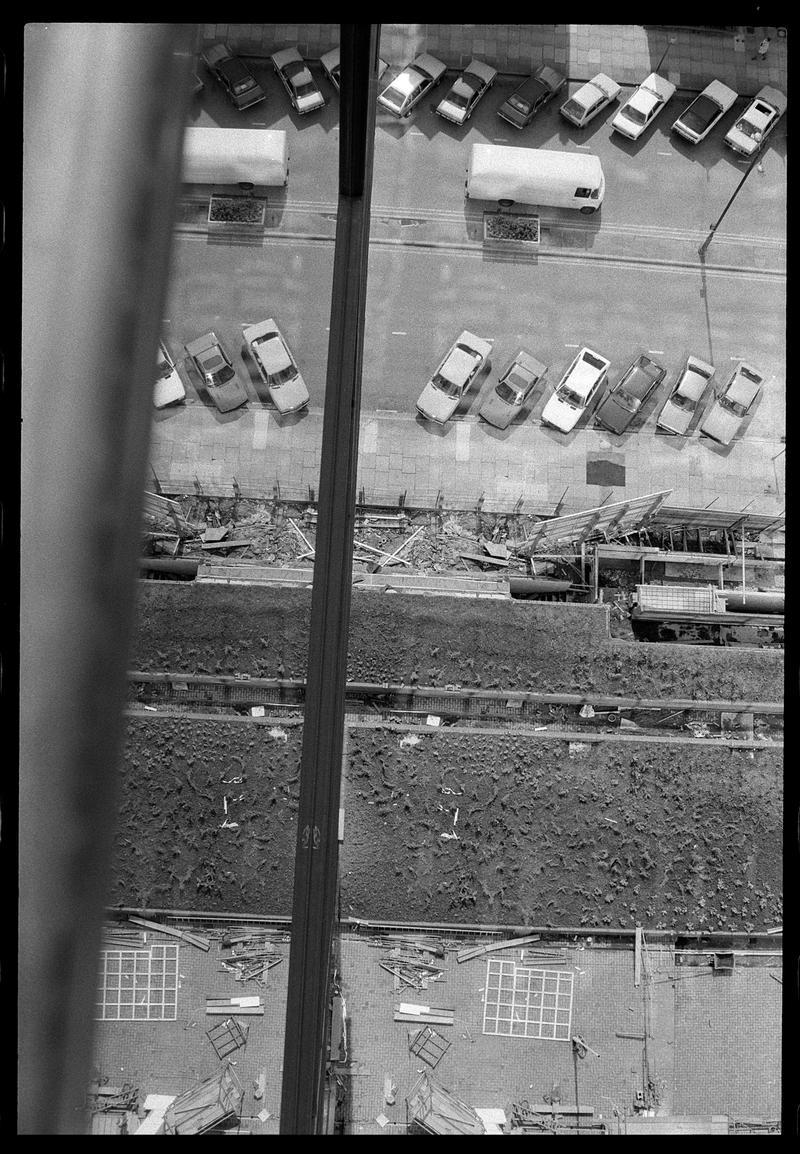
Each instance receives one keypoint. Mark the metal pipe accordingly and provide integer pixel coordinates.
(317, 848)
(103, 121)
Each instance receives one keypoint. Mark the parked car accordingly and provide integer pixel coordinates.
(169, 387)
(576, 390)
(732, 404)
(706, 110)
(684, 400)
(332, 66)
(464, 360)
(462, 99)
(624, 399)
(524, 102)
(234, 76)
(643, 106)
(217, 372)
(297, 80)
(517, 382)
(757, 121)
(408, 88)
(277, 366)
(590, 99)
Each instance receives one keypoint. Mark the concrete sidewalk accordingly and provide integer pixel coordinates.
(627, 52)
(461, 463)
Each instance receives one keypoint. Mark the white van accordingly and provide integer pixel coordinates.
(235, 155)
(535, 176)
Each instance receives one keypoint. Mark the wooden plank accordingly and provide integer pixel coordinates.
(235, 1011)
(484, 559)
(637, 957)
(225, 544)
(185, 935)
(476, 951)
(430, 1020)
(633, 1037)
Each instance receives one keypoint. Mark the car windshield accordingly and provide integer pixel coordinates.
(734, 407)
(699, 115)
(635, 115)
(570, 397)
(447, 387)
(164, 370)
(237, 75)
(307, 89)
(392, 96)
(508, 394)
(593, 361)
(457, 98)
(574, 108)
(282, 377)
(747, 129)
(219, 376)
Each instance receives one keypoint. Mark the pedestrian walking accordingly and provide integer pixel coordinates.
(762, 50)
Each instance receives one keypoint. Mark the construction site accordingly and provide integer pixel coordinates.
(402, 763)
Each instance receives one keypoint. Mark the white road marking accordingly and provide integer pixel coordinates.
(581, 145)
(656, 352)
(260, 428)
(572, 346)
(415, 132)
(368, 441)
(497, 139)
(399, 333)
(663, 154)
(462, 441)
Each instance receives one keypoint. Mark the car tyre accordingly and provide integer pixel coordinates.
(587, 211)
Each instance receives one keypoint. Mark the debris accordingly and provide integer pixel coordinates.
(389, 1090)
(382, 1120)
(259, 1088)
(412, 1012)
(432, 719)
(499, 562)
(378, 565)
(185, 935)
(212, 534)
(499, 551)
(586, 711)
(226, 544)
(263, 1115)
(476, 951)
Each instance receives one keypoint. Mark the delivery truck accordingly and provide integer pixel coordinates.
(258, 156)
(535, 176)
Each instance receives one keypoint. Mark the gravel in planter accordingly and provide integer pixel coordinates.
(236, 210)
(504, 227)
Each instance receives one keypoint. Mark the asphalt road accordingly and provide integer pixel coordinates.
(419, 300)
(420, 163)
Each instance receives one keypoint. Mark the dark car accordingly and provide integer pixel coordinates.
(516, 384)
(624, 399)
(525, 101)
(217, 372)
(234, 76)
(295, 77)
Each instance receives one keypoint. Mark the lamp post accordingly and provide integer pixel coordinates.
(670, 42)
(713, 227)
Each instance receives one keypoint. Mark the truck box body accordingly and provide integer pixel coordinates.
(258, 156)
(535, 176)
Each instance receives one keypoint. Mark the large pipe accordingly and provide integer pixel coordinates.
(104, 112)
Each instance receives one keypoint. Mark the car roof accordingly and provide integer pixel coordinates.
(457, 366)
(272, 353)
(529, 363)
(740, 389)
(479, 68)
(719, 91)
(692, 384)
(772, 96)
(584, 375)
(303, 77)
(660, 84)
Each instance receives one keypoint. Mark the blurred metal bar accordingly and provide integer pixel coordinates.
(104, 112)
(317, 853)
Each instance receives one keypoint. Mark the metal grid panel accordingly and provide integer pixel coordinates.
(522, 1002)
(138, 985)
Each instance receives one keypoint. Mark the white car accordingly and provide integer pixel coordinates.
(590, 99)
(277, 366)
(410, 86)
(332, 67)
(757, 121)
(733, 403)
(643, 106)
(706, 110)
(169, 386)
(462, 99)
(464, 360)
(684, 400)
(217, 372)
(297, 80)
(576, 390)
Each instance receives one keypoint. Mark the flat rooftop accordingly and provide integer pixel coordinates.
(712, 1046)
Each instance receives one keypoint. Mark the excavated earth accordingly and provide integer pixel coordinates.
(437, 641)
(471, 827)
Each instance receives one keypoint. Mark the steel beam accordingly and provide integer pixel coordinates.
(317, 849)
(103, 134)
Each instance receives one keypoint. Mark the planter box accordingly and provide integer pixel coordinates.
(507, 228)
(246, 210)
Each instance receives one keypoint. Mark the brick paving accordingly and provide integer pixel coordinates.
(626, 52)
